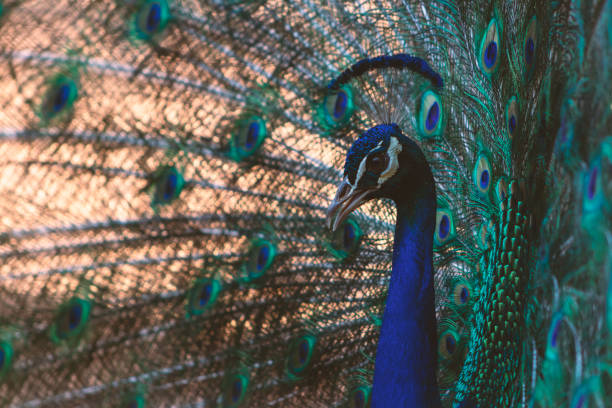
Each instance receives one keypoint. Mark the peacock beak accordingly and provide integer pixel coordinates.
(346, 200)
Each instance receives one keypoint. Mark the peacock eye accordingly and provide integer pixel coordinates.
(461, 293)
(489, 48)
(511, 116)
(445, 227)
(259, 259)
(134, 403)
(430, 115)
(71, 319)
(235, 390)
(482, 174)
(530, 43)
(337, 108)
(300, 355)
(168, 185)
(151, 19)
(484, 235)
(6, 355)
(447, 344)
(377, 162)
(346, 239)
(59, 98)
(202, 296)
(360, 397)
(248, 136)
(501, 190)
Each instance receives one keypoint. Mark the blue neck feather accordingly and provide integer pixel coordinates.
(406, 360)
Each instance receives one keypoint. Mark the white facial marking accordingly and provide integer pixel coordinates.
(392, 152)
(353, 187)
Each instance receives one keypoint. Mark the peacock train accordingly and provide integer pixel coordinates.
(306, 203)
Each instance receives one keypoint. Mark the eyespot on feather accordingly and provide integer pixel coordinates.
(59, 97)
(482, 174)
(150, 19)
(445, 227)
(501, 190)
(431, 115)
(489, 51)
(512, 117)
(346, 239)
(259, 259)
(6, 357)
(202, 296)
(70, 320)
(360, 397)
(167, 186)
(530, 45)
(337, 108)
(249, 134)
(300, 355)
(235, 389)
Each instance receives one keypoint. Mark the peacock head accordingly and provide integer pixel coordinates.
(381, 163)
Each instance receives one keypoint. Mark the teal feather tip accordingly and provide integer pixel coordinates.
(489, 50)
(596, 205)
(593, 197)
(202, 296)
(336, 109)
(445, 227)
(448, 343)
(71, 319)
(259, 259)
(168, 182)
(248, 136)
(136, 400)
(512, 117)
(451, 351)
(431, 115)
(346, 239)
(482, 174)
(58, 100)
(461, 293)
(360, 397)
(300, 355)
(6, 357)
(150, 19)
(530, 45)
(484, 235)
(501, 190)
(235, 389)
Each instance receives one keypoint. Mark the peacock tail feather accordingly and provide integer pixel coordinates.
(167, 165)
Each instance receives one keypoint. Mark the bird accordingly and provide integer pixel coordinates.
(305, 203)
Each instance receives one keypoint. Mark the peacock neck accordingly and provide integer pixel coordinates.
(406, 360)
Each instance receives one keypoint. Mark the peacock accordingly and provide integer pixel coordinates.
(305, 203)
